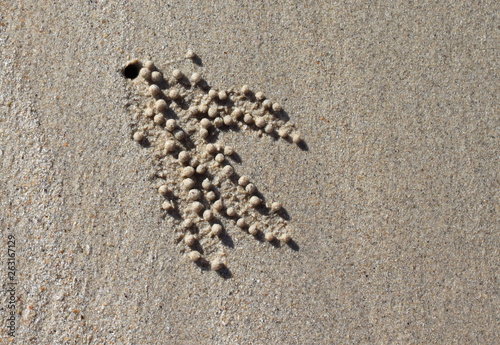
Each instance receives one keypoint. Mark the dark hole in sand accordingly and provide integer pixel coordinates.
(131, 71)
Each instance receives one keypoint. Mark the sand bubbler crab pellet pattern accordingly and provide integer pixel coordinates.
(180, 118)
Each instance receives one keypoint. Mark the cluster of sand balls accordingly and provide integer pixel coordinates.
(180, 119)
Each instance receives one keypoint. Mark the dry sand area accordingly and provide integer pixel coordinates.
(391, 199)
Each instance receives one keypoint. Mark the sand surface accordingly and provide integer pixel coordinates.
(393, 205)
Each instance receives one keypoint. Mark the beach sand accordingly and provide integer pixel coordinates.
(393, 203)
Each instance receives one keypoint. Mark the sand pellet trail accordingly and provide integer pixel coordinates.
(181, 120)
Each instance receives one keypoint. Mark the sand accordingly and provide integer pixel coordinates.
(393, 206)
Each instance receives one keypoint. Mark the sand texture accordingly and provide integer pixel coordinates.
(391, 198)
